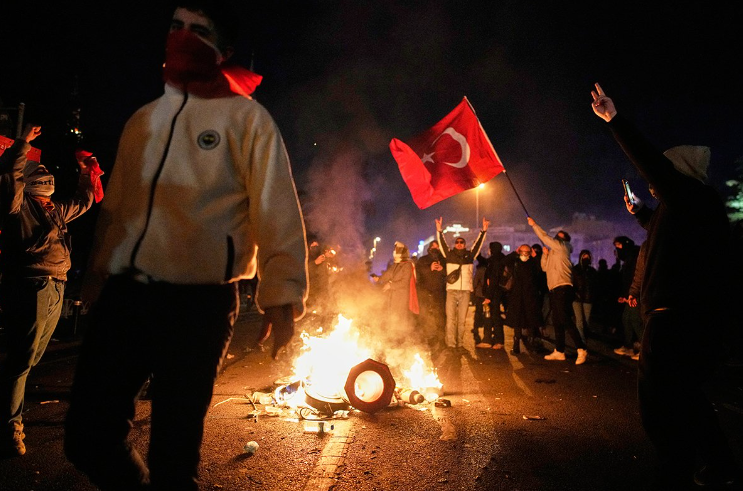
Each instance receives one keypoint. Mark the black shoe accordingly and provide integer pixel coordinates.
(715, 477)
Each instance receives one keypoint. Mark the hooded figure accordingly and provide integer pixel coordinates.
(685, 302)
(398, 283)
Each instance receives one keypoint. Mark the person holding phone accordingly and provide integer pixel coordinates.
(684, 306)
(431, 274)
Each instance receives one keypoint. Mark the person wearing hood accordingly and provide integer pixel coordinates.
(584, 282)
(398, 282)
(431, 275)
(201, 196)
(684, 306)
(36, 258)
(459, 274)
(627, 253)
(495, 294)
(556, 263)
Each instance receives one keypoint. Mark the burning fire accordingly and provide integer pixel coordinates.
(326, 360)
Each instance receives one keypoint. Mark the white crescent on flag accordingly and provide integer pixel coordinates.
(459, 138)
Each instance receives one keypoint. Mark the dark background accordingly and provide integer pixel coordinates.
(343, 78)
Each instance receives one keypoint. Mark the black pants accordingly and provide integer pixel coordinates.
(561, 302)
(676, 360)
(179, 336)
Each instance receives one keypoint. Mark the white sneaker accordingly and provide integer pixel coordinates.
(636, 357)
(555, 355)
(582, 355)
(624, 351)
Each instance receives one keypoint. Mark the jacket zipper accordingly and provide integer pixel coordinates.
(153, 185)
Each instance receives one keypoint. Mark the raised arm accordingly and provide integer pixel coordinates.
(440, 237)
(546, 239)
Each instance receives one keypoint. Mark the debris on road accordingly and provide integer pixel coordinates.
(534, 417)
(251, 447)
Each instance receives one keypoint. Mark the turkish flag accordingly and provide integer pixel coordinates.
(453, 156)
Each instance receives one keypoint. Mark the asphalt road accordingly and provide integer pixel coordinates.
(587, 437)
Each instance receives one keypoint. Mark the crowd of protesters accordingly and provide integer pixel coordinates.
(148, 321)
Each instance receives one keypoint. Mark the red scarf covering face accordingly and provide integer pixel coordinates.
(195, 66)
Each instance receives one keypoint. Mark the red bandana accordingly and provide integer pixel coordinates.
(194, 66)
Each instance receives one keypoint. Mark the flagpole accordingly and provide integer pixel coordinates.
(517, 193)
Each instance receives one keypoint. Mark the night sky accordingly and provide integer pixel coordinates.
(343, 78)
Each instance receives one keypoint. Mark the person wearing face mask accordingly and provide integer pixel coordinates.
(584, 282)
(459, 286)
(556, 263)
(685, 303)
(398, 282)
(36, 257)
(200, 197)
(524, 303)
(431, 274)
(627, 253)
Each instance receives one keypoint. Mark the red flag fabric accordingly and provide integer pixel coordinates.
(33, 154)
(453, 156)
(95, 172)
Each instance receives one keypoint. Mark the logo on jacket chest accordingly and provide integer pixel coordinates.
(208, 139)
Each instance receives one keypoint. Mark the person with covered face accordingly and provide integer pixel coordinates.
(459, 286)
(399, 285)
(584, 282)
(556, 263)
(627, 254)
(200, 197)
(495, 295)
(524, 302)
(685, 306)
(36, 257)
(431, 275)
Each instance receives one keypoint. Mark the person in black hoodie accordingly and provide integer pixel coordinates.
(495, 293)
(627, 253)
(431, 274)
(684, 305)
(584, 282)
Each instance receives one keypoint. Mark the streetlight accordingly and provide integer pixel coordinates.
(477, 203)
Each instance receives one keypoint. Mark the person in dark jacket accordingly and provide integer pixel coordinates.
(36, 258)
(684, 303)
(495, 293)
(627, 253)
(584, 282)
(431, 275)
(524, 307)
(483, 318)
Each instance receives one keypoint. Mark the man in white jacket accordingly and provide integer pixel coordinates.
(458, 289)
(201, 196)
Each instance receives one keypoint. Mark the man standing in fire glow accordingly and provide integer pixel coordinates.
(459, 272)
(201, 196)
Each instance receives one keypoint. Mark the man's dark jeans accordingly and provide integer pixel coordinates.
(176, 334)
(561, 301)
(31, 309)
